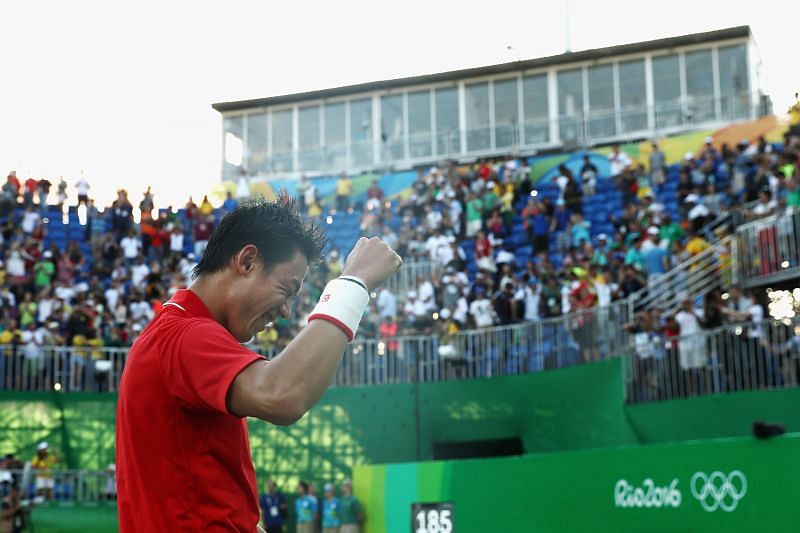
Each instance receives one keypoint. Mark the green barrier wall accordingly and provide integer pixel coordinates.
(571, 409)
(739, 485)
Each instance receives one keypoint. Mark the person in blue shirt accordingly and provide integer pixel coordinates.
(273, 509)
(331, 511)
(305, 508)
(229, 204)
(656, 261)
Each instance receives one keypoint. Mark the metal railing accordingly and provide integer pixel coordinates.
(768, 249)
(736, 357)
(63, 486)
(558, 342)
(405, 279)
(710, 269)
(60, 368)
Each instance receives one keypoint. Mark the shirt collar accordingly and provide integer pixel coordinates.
(191, 302)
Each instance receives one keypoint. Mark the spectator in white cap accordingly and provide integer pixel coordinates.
(331, 511)
(698, 213)
(651, 241)
(42, 463)
(708, 149)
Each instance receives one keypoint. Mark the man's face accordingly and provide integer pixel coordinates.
(263, 294)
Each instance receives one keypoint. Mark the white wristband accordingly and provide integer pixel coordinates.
(342, 304)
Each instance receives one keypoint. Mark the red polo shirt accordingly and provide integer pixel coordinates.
(183, 461)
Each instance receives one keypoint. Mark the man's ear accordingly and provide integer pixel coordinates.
(246, 260)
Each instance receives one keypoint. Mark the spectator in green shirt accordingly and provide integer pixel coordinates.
(489, 198)
(350, 511)
(474, 215)
(793, 198)
(671, 232)
(44, 271)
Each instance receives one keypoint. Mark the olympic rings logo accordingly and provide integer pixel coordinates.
(718, 491)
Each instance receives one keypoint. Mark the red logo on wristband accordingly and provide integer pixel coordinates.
(325, 298)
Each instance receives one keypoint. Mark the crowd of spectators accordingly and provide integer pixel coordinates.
(503, 251)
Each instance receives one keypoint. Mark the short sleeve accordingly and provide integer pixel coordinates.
(200, 361)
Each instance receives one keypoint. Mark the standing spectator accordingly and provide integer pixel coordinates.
(62, 192)
(43, 463)
(658, 165)
(83, 190)
(229, 204)
(386, 303)
(29, 219)
(176, 241)
(131, 246)
(656, 260)
(205, 208)
(481, 309)
(121, 214)
(344, 188)
(474, 215)
(374, 196)
(43, 188)
(691, 347)
(202, 232)
(29, 190)
(10, 191)
(146, 205)
(273, 509)
(573, 196)
(243, 185)
(302, 187)
(505, 305)
(618, 160)
(331, 511)
(351, 511)
(588, 175)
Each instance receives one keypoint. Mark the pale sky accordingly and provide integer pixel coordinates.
(123, 93)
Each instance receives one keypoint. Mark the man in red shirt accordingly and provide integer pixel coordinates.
(183, 457)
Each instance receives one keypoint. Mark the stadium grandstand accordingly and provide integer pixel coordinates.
(601, 249)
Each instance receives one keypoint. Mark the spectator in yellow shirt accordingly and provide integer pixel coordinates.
(43, 463)
(696, 244)
(206, 208)
(344, 188)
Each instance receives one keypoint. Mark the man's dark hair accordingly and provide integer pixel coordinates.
(274, 227)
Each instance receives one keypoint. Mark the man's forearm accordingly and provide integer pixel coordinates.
(306, 367)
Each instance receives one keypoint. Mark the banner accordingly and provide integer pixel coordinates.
(721, 485)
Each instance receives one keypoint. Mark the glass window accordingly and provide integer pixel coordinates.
(506, 113)
(393, 128)
(419, 124)
(233, 146)
(602, 122)
(282, 136)
(734, 84)
(534, 105)
(667, 91)
(477, 115)
(256, 160)
(335, 136)
(308, 138)
(570, 103)
(699, 86)
(448, 136)
(632, 95)
(361, 132)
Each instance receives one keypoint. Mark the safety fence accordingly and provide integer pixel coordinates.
(405, 279)
(62, 486)
(768, 249)
(736, 357)
(584, 336)
(60, 368)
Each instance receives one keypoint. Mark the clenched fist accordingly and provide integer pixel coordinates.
(373, 261)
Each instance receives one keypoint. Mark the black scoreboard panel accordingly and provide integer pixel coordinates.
(432, 518)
